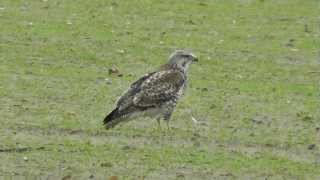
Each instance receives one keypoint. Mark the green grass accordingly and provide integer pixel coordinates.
(255, 89)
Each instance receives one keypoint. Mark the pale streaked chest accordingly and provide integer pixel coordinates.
(182, 89)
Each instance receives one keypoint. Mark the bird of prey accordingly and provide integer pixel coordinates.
(154, 94)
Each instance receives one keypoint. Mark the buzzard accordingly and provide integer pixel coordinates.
(154, 94)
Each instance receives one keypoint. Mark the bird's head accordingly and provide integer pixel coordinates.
(182, 59)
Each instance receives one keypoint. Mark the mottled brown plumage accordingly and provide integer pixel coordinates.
(155, 94)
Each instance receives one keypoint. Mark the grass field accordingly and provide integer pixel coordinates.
(255, 90)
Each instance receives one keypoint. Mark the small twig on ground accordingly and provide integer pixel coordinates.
(194, 119)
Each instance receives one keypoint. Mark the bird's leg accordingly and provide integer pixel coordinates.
(169, 109)
(167, 119)
(168, 127)
(159, 124)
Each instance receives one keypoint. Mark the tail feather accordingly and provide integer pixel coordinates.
(110, 120)
(116, 116)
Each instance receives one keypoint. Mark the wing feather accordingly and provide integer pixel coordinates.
(159, 87)
(126, 99)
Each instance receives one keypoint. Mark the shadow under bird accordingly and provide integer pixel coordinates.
(154, 94)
